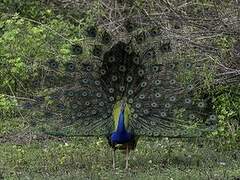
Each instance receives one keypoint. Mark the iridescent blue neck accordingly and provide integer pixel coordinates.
(121, 126)
(121, 136)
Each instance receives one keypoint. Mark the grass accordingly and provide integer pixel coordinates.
(42, 157)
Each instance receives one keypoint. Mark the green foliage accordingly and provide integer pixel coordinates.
(225, 44)
(8, 127)
(227, 105)
(31, 9)
(28, 39)
(7, 107)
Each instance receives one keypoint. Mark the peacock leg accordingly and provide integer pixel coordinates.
(127, 156)
(113, 158)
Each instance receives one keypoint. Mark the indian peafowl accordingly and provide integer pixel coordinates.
(123, 91)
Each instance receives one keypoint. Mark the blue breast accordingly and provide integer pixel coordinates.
(121, 136)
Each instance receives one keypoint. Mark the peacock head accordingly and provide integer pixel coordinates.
(123, 105)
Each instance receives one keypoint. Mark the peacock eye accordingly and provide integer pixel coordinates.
(188, 65)
(157, 82)
(145, 111)
(157, 95)
(53, 64)
(111, 90)
(190, 87)
(99, 95)
(84, 94)
(50, 79)
(128, 49)
(130, 100)
(36, 83)
(69, 93)
(70, 67)
(154, 104)
(111, 59)
(76, 49)
(201, 104)
(155, 68)
(122, 88)
(97, 83)
(129, 79)
(141, 72)
(187, 101)
(91, 31)
(85, 81)
(167, 105)
(130, 92)
(136, 60)
(212, 117)
(138, 105)
(192, 116)
(87, 103)
(97, 51)
(172, 81)
(103, 71)
(122, 68)
(144, 84)
(172, 66)
(101, 104)
(172, 98)
(135, 116)
(111, 99)
(163, 114)
(142, 96)
(114, 78)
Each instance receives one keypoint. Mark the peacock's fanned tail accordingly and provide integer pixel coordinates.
(165, 96)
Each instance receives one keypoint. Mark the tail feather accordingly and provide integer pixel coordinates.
(164, 95)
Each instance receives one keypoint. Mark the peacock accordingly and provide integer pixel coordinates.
(126, 88)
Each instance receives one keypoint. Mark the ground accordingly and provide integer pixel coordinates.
(27, 156)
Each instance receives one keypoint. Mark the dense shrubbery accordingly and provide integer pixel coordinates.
(227, 104)
(29, 38)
